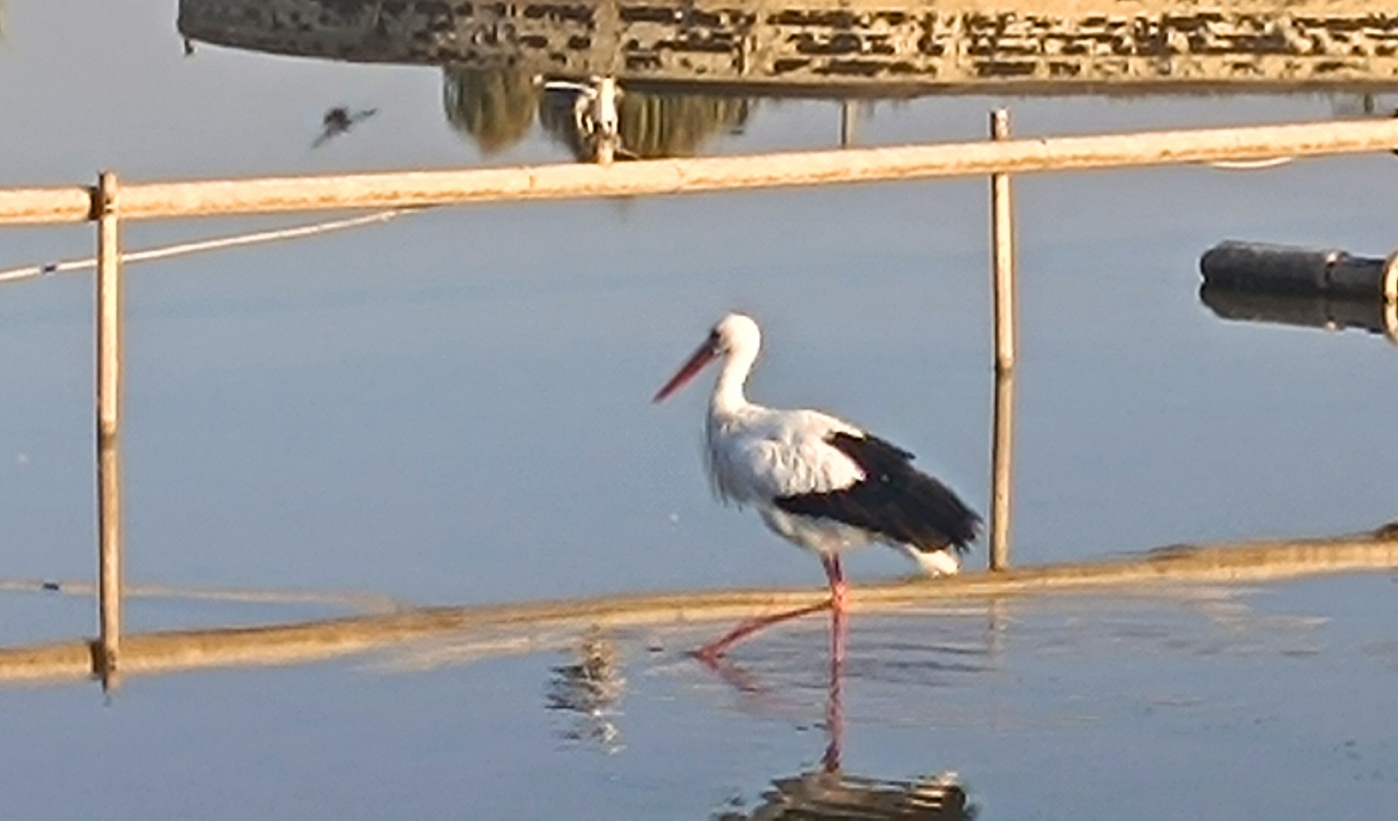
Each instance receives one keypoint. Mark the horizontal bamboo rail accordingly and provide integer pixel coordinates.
(674, 176)
(493, 626)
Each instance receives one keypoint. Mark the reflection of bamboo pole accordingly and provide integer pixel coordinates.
(108, 410)
(997, 625)
(1002, 444)
(284, 644)
(673, 176)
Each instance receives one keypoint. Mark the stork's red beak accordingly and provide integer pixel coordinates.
(696, 363)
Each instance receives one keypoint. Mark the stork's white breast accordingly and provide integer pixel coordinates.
(761, 454)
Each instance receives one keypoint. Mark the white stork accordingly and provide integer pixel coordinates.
(816, 480)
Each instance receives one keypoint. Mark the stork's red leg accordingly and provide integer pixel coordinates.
(838, 602)
(711, 652)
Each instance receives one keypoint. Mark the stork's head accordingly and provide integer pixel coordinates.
(734, 335)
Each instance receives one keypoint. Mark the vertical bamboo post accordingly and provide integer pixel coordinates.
(108, 416)
(1002, 446)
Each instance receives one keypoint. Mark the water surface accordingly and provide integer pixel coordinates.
(454, 408)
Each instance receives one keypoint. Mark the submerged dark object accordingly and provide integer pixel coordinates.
(1283, 269)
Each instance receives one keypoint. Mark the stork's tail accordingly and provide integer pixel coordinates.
(935, 562)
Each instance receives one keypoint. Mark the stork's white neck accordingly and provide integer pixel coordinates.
(728, 395)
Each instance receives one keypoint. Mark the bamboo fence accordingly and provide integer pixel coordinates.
(513, 628)
(1000, 157)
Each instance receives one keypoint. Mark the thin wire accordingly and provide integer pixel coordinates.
(31, 271)
(369, 602)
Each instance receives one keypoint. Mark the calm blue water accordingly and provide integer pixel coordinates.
(454, 408)
(1262, 704)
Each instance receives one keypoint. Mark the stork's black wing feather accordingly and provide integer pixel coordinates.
(895, 500)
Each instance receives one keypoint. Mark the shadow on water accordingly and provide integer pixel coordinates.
(691, 71)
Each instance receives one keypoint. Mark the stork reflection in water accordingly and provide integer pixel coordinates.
(828, 793)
